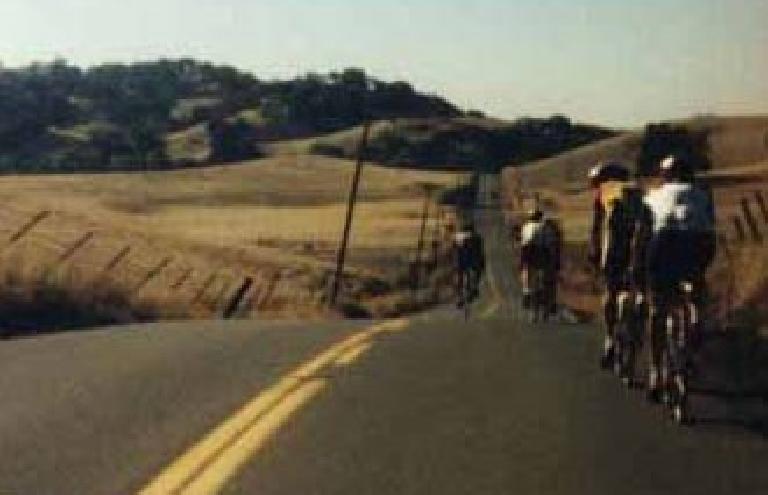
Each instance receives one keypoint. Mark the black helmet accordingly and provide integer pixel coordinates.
(607, 170)
(676, 167)
(534, 214)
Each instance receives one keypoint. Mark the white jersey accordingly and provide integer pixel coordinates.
(533, 234)
(679, 206)
(460, 238)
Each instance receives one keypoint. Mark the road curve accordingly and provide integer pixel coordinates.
(432, 405)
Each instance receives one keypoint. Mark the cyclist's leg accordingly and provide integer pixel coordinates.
(526, 268)
(460, 286)
(623, 336)
(525, 284)
(610, 311)
(656, 334)
(475, 274)
(657, 276)
(639, 318)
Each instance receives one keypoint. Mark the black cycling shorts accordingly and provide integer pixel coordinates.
(675, 256)
(533, 257)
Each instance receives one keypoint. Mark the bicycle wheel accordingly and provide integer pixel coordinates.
(538, 298)
(680, 409)
(666, 372)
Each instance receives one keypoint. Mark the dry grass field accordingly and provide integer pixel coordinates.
(203, 230)
(739, 152)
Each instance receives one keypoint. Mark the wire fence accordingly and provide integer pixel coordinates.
(49, 247)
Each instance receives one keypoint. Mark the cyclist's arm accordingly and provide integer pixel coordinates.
(640, 241)
(558, 247)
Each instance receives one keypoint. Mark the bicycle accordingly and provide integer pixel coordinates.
(467, 290)
(681, 317)
(539, 296)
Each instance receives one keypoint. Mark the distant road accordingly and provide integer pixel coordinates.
(420, 406)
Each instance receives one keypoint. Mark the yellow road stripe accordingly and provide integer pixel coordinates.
(194, 463)
(213, 479)
(392, 325)
(492, 284)
(490, 311)
(177, 475)
(353, 354)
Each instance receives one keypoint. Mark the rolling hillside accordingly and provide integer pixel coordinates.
(194, 235)
(458, 143)
(733, 142)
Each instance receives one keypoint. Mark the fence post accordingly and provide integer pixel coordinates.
(222, 292)
(82, 241)
(269, 289)
(24, 229)
(237, 299)
(761, 204)
(152, 274)
(741, 234)
(722, 241)
(208, 282)
(436, 229)
(119, 257)
(751, 221)
(68, 253)
(183, 278)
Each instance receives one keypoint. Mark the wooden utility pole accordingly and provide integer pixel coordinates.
(427, 188)
(342, 253)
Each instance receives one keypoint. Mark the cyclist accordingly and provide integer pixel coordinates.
(617, 209)
(470, 261)
(555, 236)
(681, 246)
(539, 250)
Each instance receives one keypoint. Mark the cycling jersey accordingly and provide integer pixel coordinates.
(533, 234)
(539, 244)
(682, 244)
(680, 206)
(621, 209)
(469, 250)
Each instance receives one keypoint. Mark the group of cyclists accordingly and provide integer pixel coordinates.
(649, 247)
(646, 242)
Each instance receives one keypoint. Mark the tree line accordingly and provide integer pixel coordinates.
(59, 117)
(472, 143)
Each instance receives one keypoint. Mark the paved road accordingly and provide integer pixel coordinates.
(429, 405)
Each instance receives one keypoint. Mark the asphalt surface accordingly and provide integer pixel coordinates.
(492, 405)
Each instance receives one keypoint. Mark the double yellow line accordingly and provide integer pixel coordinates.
(495, 304)
(210, 463)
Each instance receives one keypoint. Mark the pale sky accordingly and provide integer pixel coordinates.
(604, 61)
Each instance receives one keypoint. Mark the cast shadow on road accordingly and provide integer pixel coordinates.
(730, 389)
